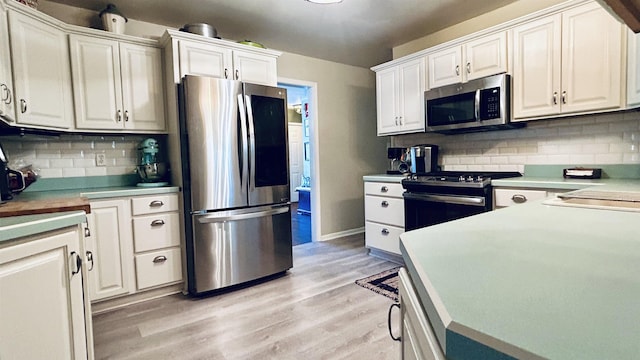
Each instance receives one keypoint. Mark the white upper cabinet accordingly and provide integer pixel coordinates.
(474, 59)
(400, 97)
(7, 103)
(633, 73)
(568, 63)
(116, 85)
(40, 51)
(204, 59)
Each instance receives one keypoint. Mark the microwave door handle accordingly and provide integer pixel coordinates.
(245, 147)
(477, 105)
(252, 144)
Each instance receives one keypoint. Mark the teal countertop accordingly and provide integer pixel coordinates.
(531, 281)
(16, 227)
(384, 178)
(96, 193)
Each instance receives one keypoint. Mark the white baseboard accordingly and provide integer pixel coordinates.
(340, 234)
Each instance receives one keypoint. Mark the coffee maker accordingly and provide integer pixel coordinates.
(5, 189)
(424, 158)
(398, 160)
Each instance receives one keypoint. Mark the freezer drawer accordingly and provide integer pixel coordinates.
(233, 247)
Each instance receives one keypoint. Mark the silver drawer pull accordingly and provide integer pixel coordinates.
(385, 231)
(159, 259)
(157, 223)
(384, 203)
(384, 189)
(156, 203)
(519, 199)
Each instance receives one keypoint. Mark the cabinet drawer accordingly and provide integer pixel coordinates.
(383, 189)
(384, 210)
(154, 204)
(158, 268)
(158, 231)
(508, 197)
(383, 237)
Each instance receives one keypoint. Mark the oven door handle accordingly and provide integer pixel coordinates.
(451, 199)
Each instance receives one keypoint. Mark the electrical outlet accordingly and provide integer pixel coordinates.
(101, 160)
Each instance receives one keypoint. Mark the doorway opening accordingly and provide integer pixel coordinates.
(301, 100)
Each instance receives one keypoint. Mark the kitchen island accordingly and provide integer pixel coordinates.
(530, 281)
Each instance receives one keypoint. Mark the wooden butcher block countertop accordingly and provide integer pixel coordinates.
(33, 207)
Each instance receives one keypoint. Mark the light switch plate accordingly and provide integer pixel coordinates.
(101, 160)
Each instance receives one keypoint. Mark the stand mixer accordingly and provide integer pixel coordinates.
(151, 170)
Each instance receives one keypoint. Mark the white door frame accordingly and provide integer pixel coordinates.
(315, 160)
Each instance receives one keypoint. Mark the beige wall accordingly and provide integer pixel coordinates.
(498, 16)
(348, 147)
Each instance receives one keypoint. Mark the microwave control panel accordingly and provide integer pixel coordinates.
(490, 104)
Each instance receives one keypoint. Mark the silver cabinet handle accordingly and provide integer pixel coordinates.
(157, 223)
(5, 93)
(90, 259)
(226, 73)
(237, 75)
(384, 189)
(384, 203)
(159, 259)
(457, 69)
(156, 203)
(468, 68)
(119, 115)
(23, 106)
(396, 120)
(400, 117)
(126, 115)
(564, 97)
(555, 98)
(385, 231)
(519, 198)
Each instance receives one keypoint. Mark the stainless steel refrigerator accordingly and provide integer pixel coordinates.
(235, 181)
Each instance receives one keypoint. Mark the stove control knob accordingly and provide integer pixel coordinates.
(469, 178)
(479, 178)
(462, 178)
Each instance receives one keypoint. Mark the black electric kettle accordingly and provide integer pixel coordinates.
(5, 189)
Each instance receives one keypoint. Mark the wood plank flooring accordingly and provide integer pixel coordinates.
(315, 311)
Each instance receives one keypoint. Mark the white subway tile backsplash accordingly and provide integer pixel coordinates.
(74, 155)
(595, 139)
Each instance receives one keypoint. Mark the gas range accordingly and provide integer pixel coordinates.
(455, 179)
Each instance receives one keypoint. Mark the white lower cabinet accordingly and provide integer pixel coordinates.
(418, 338)
(44, 318)
(503, 197)
(134, 244)
(384, 216)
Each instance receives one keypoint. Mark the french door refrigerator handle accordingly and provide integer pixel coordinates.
(245, 146)
(252, 144)
(221, 218)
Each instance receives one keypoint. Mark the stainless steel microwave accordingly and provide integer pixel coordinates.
(477, 105)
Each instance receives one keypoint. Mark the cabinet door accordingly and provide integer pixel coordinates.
(7, 103)
(536, 68)
(41, 308)
(387, 101)
(111, 245)
(97, 89)
(40, 57)
(204, 60)
(411, 96)
(444, 67)
(142, 87)
(591, 61)
(633, 70)
(486, 56)
(255, 68)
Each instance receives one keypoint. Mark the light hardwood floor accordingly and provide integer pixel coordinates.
(315, 311)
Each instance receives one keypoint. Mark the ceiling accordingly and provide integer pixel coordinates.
(354, 32)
